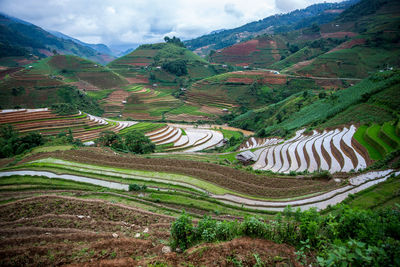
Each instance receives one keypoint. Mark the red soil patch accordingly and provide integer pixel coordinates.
(7, 71)
(139, 116)
(242, 64)
(186, 117)
(137, 80)
(240, 80)
(347, 45)
(138, 64)
(276, 80)
(85, 86)
(242, 49)
(46, 52)
(338, 34)
(300, 65)
(117, 97)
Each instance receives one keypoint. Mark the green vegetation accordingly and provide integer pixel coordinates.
(346, 235)
(99, 95)
(143, 127)
(11, 144)
(379, 140)
(133, 141)
(382, 195)
(319, 111)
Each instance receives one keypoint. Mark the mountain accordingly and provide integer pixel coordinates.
(19, 38)
(318, 13)
(360, 41)
(101, 48)
(159, 74)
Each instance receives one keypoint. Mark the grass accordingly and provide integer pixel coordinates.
(360, 137)
(378, 196)
(51, 148)
(321, 110)
(390, 130)
(99, 95)
(143, 127)
(228, 133)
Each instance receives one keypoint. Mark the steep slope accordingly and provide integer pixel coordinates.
(158, 75)
(56, 80)
(376, 45)
(101, 48)
(359, 42)
(318, 13)
(374, 100)
(19, 38)
(85, 74)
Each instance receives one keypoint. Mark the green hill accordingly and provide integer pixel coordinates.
(72, 69)
(359, 42)
(164, 63)
(20, 38)
(374, 100)
(318, 13)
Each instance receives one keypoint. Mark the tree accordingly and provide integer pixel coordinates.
(177, 67)
(138, 143)
(174, 40)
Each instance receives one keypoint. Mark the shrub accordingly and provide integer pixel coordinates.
(182, 232)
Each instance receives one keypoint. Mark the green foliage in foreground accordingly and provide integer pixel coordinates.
(346, 236)
(133, 141)
(11, 144)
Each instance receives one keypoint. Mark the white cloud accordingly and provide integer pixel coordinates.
(116, 22)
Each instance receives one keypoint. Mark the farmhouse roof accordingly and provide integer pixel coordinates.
(246, 156)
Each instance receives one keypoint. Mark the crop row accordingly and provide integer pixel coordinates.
(193, 140)
(332, 151)
(85, 127)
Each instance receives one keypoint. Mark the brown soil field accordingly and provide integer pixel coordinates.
(245, 48)
(139, 80)
(85, 86)
(338, 34)
(58, 230)
(186, 117)
(243, 80)
(236, 180)
(347, 45)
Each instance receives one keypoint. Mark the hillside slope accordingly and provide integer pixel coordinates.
(362, 40)
(20, 38)
(318, 13)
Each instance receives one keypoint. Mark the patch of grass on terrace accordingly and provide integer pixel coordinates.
(378, 196)
(101, 94)
(143, 127)
(360, 137)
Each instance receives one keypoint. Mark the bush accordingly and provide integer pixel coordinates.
(182, 232)
(136, 187)
(11, 144)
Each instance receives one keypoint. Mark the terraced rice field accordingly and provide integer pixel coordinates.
(379, 140)
(193, 139)
(83, 126)
(333, 151)
(217, 184)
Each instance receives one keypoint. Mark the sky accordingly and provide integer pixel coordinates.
(122, 24)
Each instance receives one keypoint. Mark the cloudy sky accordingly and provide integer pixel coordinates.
(122, 23)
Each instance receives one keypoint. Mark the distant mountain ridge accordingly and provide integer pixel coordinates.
(21, 38)
(300, 18)
(101, 48)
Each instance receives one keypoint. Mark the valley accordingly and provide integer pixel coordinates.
(273, 144)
